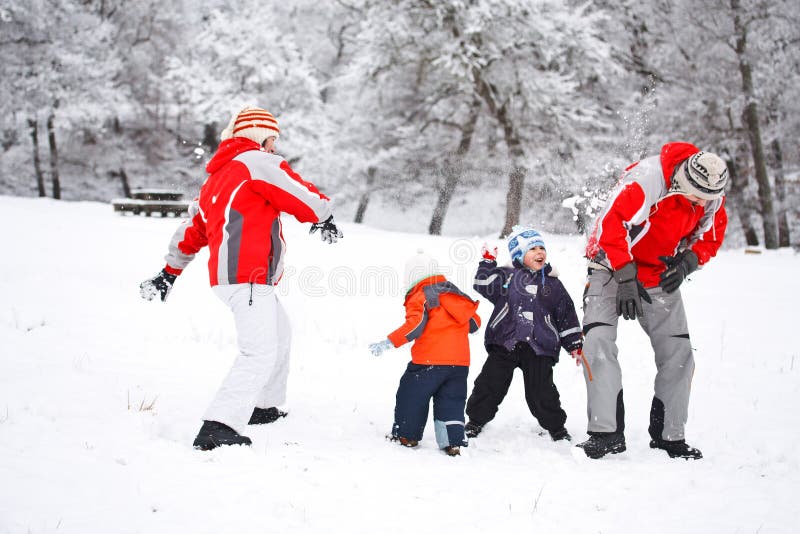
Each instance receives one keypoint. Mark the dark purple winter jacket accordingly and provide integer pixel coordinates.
(529, 306)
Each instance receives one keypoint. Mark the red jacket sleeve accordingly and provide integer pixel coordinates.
(289, 193)
(613, 226)
(187, 241)
(709, 243)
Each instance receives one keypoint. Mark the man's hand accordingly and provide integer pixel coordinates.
(678, 268)
(630, 292)
(378, 348)
(488, 255)
(160, 284)
(328, 231)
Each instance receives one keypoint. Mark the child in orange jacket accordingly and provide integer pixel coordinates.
(438, 319)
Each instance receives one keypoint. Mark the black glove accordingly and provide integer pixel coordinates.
(679, 267)
(329, 234)
(159, 284)
(630, 292)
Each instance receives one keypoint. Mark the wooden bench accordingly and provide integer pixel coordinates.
(149, 201)
(156, 194)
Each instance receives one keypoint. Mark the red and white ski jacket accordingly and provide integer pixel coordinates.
(237, 214)
(643, 220)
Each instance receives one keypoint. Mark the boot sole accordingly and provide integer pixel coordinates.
(210, 444)
(616, 449)
(654, 445)
(266, 420)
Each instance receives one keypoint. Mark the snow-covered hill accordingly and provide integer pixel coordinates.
(101, 394)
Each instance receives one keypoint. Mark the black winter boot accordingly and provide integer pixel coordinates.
(472, 429)
(213, 434)
(676, 449)
(560, 435)
(264, 416)
(601, 443)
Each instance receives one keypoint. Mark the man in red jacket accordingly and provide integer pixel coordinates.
(665, 219)
(237, 215)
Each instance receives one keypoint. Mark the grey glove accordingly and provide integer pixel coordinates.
(630, 292)
(679, 267)
(160, 284)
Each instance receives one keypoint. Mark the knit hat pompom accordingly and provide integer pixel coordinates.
(256, 124)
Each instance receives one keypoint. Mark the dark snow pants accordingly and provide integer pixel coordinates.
(447, 386)
(664, 322)
(495, 378)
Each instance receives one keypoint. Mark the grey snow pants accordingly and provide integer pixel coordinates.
(664, 322)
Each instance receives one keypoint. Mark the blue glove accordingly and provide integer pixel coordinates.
(377, 348)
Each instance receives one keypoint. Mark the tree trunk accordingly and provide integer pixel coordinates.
(488, 93)
(37, 163)
(126, 186)
(784, 237)
(452, 174)
(51, 137)
(743, 209)
(453, 170)
(516, 176)
(754, 131)
(364, 201)
(211, 136)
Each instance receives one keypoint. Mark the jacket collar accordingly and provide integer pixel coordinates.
(229, 149)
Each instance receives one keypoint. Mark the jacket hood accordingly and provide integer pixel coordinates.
(435, 279)
(672, 155)
(461, 309)
(458, 305)
(229, 149)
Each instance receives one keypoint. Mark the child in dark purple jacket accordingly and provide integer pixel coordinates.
(533, 318)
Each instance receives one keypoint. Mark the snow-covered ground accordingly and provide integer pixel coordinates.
(101, 394)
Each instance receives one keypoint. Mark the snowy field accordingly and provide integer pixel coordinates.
(101, 395)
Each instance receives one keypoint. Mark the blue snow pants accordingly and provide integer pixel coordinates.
(447, 385)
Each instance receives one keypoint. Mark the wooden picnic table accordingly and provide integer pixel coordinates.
(156, 194)
(148, 201)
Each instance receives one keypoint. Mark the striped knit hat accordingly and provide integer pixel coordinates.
(253, 123)
(704, 175)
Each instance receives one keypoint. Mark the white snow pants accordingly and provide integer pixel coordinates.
(259, 373)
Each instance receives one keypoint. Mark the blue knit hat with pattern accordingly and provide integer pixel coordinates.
(521, 240)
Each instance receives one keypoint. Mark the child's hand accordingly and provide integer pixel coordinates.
(578, 355)
(487, 254)
(378, 348)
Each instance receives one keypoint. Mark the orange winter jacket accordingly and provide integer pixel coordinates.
(438, 319)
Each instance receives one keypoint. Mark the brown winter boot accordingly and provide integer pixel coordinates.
(452, 450)
(405, 442)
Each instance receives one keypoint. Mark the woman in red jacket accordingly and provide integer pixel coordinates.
(237, 215)
(438, 319)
